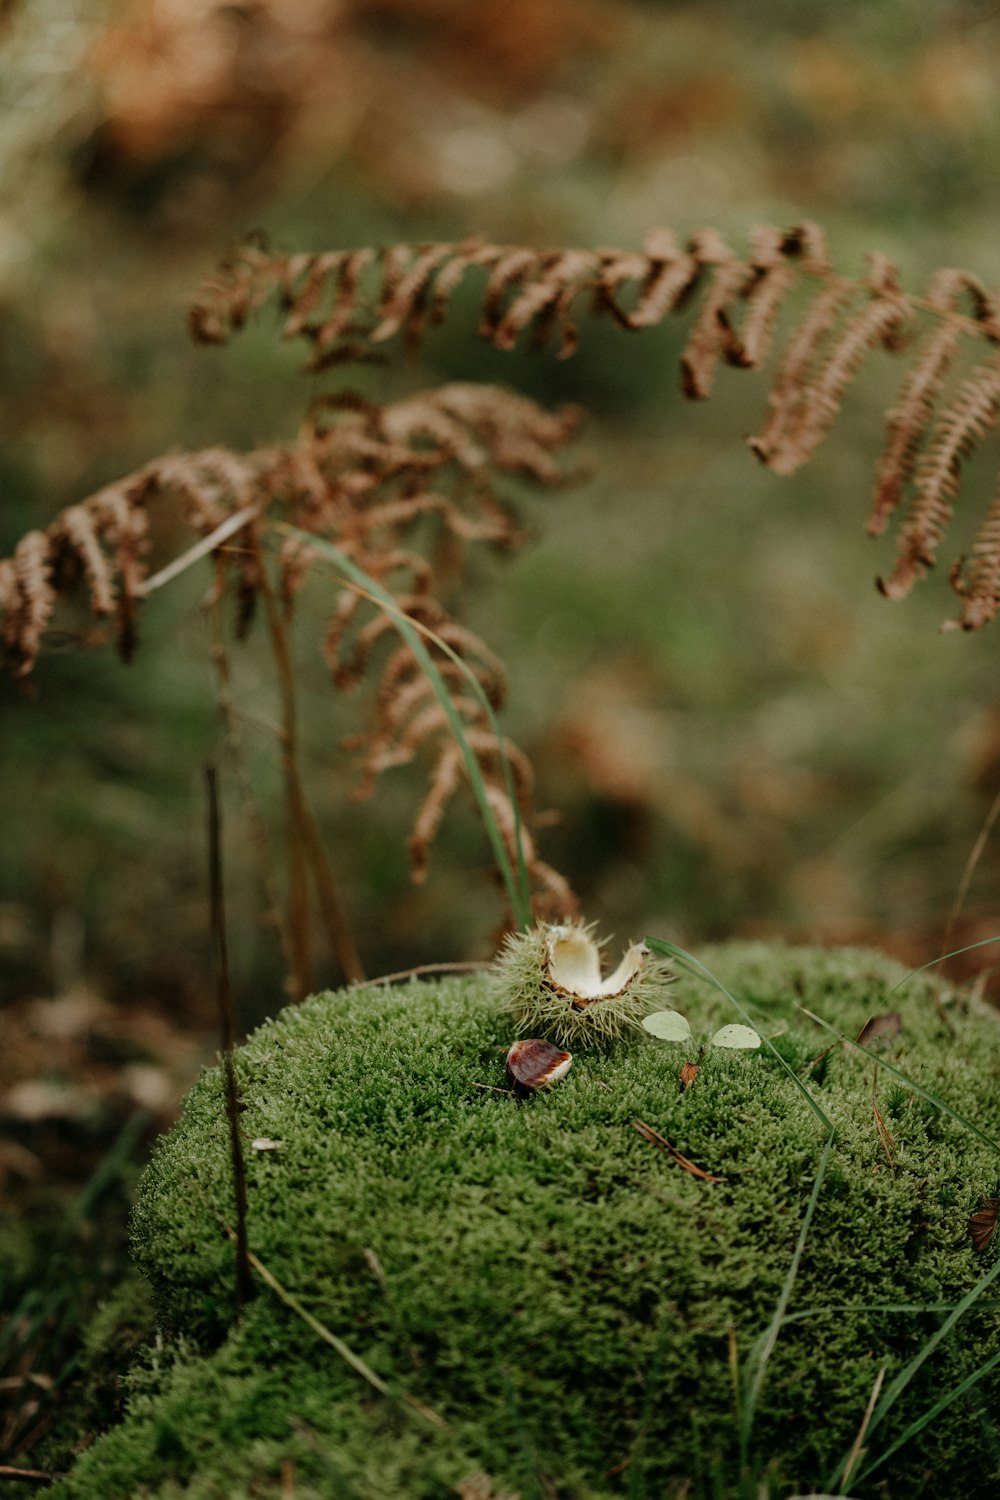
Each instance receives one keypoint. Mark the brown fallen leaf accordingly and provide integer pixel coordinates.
(656, 1139)
(981, 1226)
(688, 1074)
(887, 1027)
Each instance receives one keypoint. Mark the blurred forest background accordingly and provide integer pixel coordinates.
(739, 737)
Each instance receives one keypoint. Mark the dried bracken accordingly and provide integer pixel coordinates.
(349, 304)
(365, 477)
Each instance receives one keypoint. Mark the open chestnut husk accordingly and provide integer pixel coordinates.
(536, 1064)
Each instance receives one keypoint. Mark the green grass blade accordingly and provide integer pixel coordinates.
(107, 1172)
(897, 1386)
(911, 1083)
(516, 883)
(359, 1365)
(764, 1348)
(983, 943)
(842, 1309)
(928, 1416)
(699, 970)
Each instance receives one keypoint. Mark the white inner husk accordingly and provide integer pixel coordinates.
(575, 964)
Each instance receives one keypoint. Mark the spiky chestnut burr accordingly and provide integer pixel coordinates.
(549, 980)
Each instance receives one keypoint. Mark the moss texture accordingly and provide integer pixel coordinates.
(572, 1302)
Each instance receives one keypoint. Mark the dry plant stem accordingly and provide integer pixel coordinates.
(856, 1449)
(463, 967)
(347, 1354)
(227, 1029)
(234, 743)
(305, 848)
(975, 855)
(229, 527)
(28, 1476)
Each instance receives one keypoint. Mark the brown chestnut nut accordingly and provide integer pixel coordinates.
(536, 1064)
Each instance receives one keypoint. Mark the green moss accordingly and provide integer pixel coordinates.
(544, 1278)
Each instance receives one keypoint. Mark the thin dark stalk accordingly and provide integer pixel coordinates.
(227, 1030)
(305, 847)
(464, 966)
(300, 977)
(28, 1476)
(339, 933)
(234, 743)
(975, 855)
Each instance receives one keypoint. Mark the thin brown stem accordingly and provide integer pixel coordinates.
(975, 855)
(463, 967)
(310, 854)
(300, 978)
(234, 743)
(227, 1031)
(338, 928)
(29, 1476)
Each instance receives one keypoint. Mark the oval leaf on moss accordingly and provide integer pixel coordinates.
(668, 1026)
(736, 1036)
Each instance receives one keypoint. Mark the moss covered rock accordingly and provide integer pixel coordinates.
(582, 1310)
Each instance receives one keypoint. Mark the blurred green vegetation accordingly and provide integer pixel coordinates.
(738, 734)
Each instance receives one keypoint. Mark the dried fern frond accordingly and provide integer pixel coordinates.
(908, 420)
(28, 596)
(365, 477)
(343, 306)
(980, 591)
(974, 412)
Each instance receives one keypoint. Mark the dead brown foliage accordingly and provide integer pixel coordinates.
(404, 489)
(346, 304)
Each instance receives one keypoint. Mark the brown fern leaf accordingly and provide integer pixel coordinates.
(980, 592)
(773, 275)
(446, 779)
(78, 526)
(400, 750)
(665, 276)
(120, 517)
(348, 664)
(711, 336)
(510, 270)
(973, 412)
(471, 254)
(908, 420)
(547, 300)
(340, 319)
(531, 288)
(29, 598)
(519, 436)
(243, 282)
(405, 302)
(365, 476)
(882, 321)
(813, 398)
(796, 373)
(409, 719)
(305, 287)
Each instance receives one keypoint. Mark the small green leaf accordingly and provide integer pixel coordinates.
(736, 1036)
(668, 1026)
